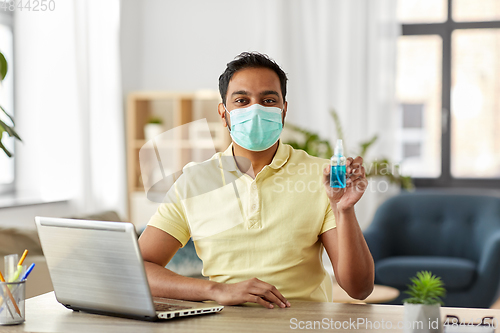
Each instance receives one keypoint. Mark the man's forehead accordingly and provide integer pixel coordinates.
(252, 80)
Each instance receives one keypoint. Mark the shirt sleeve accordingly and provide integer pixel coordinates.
(170, 217)
(329, 221)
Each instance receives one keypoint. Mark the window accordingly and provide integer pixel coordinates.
(7, 165)
(448, 90)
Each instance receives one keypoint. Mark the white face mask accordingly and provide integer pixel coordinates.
(256, 127)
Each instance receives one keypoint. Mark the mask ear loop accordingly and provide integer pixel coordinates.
(283, 119)
(225, 117)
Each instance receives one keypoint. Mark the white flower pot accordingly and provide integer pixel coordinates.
(152, 130)
(422, 318)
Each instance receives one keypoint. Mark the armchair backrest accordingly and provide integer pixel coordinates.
(426, 224)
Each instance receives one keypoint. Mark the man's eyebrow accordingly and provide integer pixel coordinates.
(240, 92)
(269, 92)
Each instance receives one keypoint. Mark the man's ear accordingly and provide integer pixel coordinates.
(222, 114)
(285, 107)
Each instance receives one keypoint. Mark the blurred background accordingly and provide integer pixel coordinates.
(422, 77)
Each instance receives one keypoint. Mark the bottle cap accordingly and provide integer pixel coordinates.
(339, 148)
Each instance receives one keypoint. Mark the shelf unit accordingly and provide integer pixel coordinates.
(175, 109)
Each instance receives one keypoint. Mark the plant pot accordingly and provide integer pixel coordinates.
(422, 318)
(152, 130)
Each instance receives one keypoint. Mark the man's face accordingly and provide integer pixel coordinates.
(253, 86)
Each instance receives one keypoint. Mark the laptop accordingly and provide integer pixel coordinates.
(97, 267)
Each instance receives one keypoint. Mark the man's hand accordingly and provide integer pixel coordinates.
(253, 290)
(356, 184)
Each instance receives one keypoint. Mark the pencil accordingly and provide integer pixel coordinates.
(6, 305)
(16, 274)
(10, 295)
(22, 257)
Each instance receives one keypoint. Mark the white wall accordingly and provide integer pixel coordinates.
(185, 45)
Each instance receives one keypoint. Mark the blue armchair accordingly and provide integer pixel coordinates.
(457, 237)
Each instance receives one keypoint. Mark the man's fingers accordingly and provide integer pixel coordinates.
(357, 173)
(360, 184)
(282, 298)
(268, 296)
(326, 176)
(269, 292)
(259, 300)
(355, 165)
(276, 295)
(358, 160)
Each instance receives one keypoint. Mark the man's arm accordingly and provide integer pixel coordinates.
(350, 256)
(158, 248)
(346, 246)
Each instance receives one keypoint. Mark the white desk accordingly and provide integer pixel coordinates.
(44, 314)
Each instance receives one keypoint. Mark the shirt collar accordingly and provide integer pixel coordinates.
(280, 158)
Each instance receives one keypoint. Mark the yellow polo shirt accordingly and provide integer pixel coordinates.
(266, 227)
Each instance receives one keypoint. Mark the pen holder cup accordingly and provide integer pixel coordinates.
(12, 296)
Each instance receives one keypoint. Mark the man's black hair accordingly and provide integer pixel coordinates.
(250, 60)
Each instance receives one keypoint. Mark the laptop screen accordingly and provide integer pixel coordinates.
(96, 265)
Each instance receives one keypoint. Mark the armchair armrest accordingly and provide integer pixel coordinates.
(489, 268)
(489, 264)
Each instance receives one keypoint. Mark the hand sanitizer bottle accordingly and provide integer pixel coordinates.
(337, 163)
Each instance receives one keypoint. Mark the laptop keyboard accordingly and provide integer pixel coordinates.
(170, 307)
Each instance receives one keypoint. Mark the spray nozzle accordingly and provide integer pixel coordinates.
(339, 148)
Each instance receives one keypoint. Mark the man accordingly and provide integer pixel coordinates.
(262, 233)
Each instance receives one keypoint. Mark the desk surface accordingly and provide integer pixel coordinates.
(380, 294)
(45, 314)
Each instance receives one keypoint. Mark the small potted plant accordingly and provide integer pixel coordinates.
(422, 308)
(153, 128)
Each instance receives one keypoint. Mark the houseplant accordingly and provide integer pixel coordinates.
(4, 127)
(422, 308)
(153, 128)
(380, 167)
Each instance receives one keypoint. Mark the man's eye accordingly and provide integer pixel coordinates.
(269, 101)
(240, 100)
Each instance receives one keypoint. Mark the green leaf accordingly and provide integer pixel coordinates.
(3, 147)
(316, 146)
(426, 289)
(3, 67)
(366, 145)
(8, 115)
(10, 130)
(338, 125)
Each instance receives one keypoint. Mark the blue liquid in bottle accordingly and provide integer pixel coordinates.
(337, 167)
(337, 176)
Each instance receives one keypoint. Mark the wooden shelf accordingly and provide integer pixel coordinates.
(175, 109)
